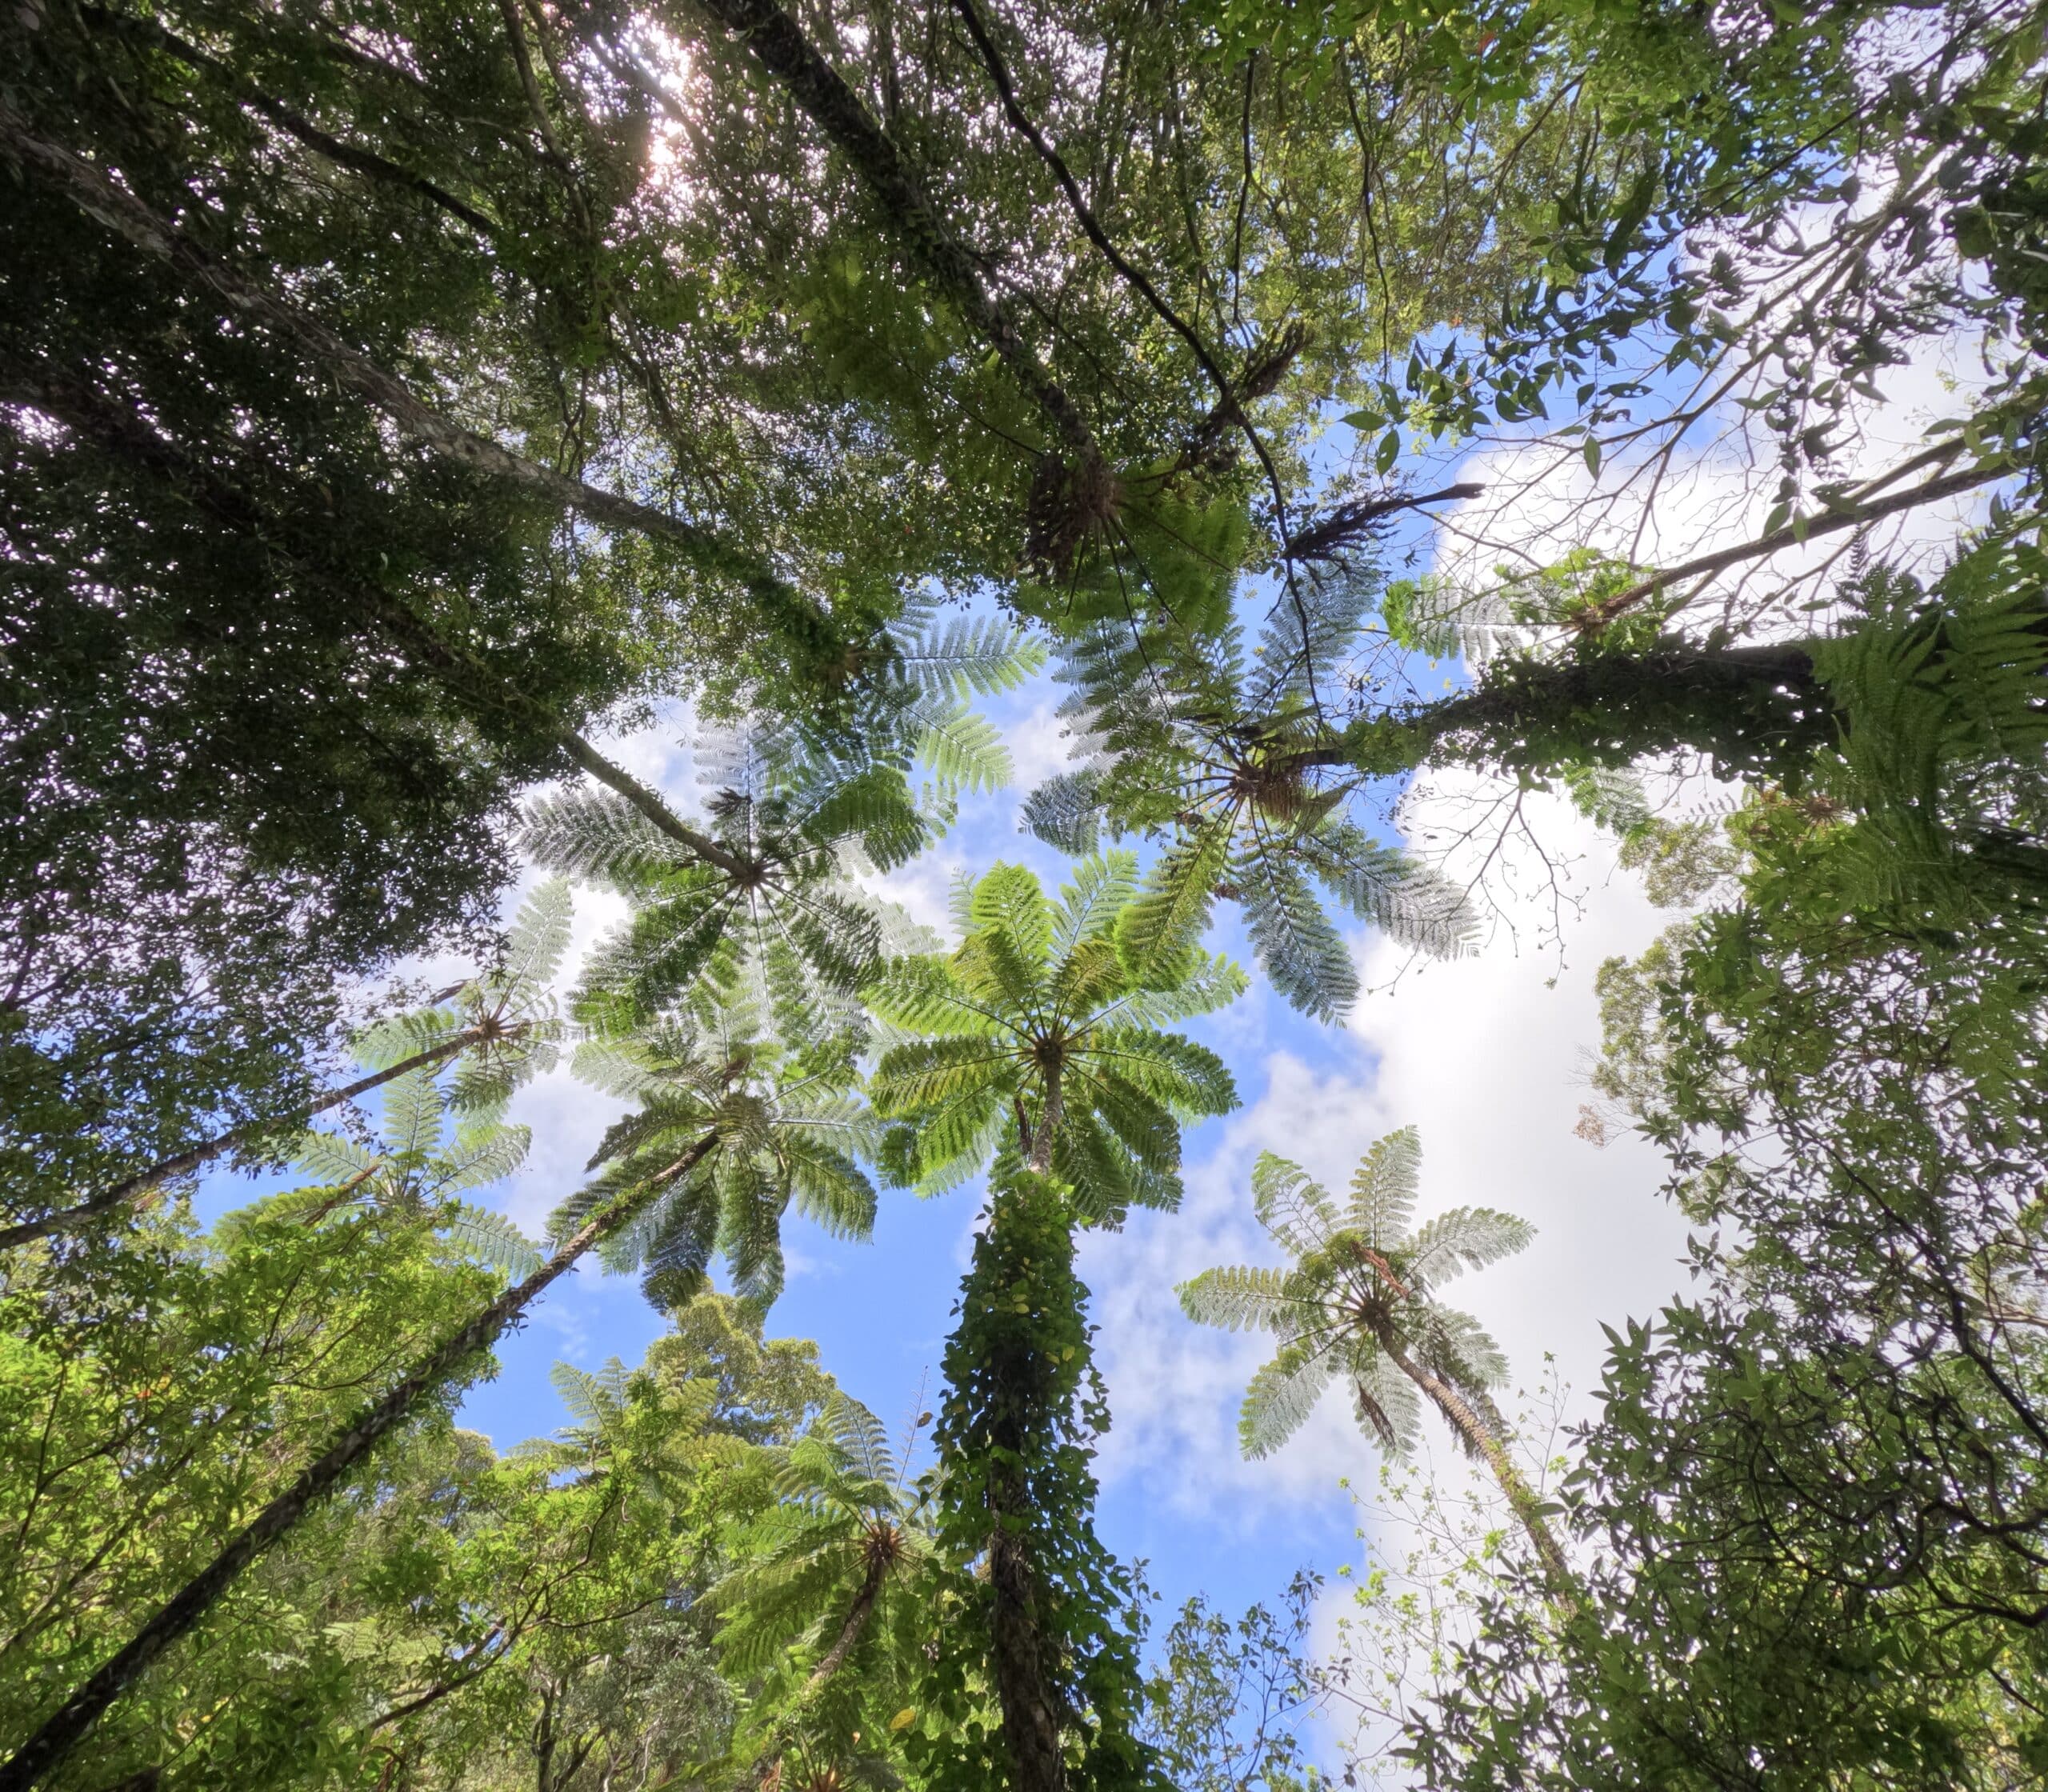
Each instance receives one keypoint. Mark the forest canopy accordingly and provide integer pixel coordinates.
(419, 424)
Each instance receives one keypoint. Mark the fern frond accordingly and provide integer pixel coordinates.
(1410, 903)
(1244, 1299)
(1464, 1238)
(491, 1239)
(1281, 1396)
(1384, 1188)
(1066, 812)
(539, 936)
(962, 748)
(1299, 949)
(1089, 905)
(598, 836)
(1170, 912)
(1385, 1401)
(1291, 1207)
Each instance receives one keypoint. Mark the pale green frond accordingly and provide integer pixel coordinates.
(1456, 1347)
(922, 1076)
(1086, 981)
(963, 655)
(1245, 1299)
(1008, 904)
(923, 996)
(1292, 1206)
(1168, 917)
(1383, 1189)
(1464, 1238)
(1304, 955)
(1189, 1079)
(491, 1239)
(484, 1158)
(394, 1040)
(1066, 812)
(1108, 1179)
(330, 1159)
(1103, 884)
(539, 936)
(861, 1436)
(1610, 797)
(616, 1066)
(594, 1400)
(828, 1187)
(1281, 1396)
(963, 749)
(481, 1087)
(950, 1143)
(1412, 904)
(412, 1106)
(598, 836)
(1384, 1400)
(1208, 982)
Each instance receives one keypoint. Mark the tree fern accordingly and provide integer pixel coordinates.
(1225, 757)
(760, 1125)
(1356, 1302)
(1033, 1021)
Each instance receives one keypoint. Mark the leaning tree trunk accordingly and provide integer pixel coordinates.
(50, 1745)
(116, 208)
(1483, 1440)
(132, 1188)
(834, 1659)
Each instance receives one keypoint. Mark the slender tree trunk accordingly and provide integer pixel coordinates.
(766, 1769)
(130, 1189)
(1484, 1441)
(1049, 1119)
(48, 1747)
(1030, 1713)
(849, 1632)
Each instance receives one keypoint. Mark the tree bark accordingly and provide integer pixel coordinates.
(1024, 1685)
(1484, 1441)
(1747, 707)
(130, 1189)
(51, 1745)
(850, 1632)
(464, 676)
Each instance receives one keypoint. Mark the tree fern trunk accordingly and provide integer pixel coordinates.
(130, 1189)
(1484, 1441)
(850, 1632)
(48, 1747)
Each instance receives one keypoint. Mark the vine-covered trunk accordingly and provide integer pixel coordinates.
(1024, 1683)
(48, 1747)
(132, 1188)
(1484, 1441)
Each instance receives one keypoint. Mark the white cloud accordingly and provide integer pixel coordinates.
(1039, 746)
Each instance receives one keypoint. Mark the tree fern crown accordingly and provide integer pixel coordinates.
(1356, 1302)
(1049, 1017)
(1229, 759)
